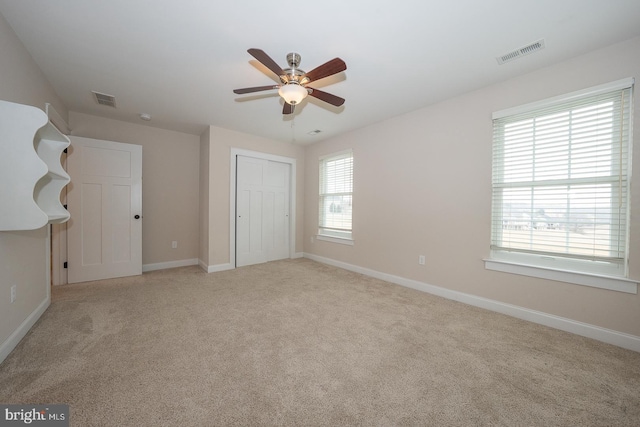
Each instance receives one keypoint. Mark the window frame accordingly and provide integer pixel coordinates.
(324, 233)
(563, 268)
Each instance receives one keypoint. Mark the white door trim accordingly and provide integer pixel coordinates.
(232, 198)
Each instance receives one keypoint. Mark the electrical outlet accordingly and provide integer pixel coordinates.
(421, 260)
(174, 244)
(13, 294)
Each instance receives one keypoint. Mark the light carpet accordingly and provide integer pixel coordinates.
(298, 343)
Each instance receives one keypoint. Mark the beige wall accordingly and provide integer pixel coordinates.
(422, 186)
(23, 260)
(221, 142)
(170, 183)
(21, 80)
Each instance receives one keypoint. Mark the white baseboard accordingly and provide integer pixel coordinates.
(620, 339)
(216, 268)
(220, 267)
(169, 264)
(10, 343)
(228, 266)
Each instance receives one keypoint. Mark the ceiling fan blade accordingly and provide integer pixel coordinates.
(288, 108)
(255, 89)
(327, 69)
(266, 60)
(326, 97)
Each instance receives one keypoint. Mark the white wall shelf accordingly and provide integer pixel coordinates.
(30, 169)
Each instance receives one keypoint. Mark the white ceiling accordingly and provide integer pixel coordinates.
(180, 60)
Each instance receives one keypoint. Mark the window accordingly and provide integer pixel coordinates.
(560, 182)
(336, 190)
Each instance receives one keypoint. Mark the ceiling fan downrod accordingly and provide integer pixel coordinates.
(293, 59)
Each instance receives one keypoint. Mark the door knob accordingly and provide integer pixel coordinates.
(137, 217)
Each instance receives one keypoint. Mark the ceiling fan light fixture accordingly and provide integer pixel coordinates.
(293, 93)
(293, 80)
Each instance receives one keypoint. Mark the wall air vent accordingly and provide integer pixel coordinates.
(518, 53)
(104, 99)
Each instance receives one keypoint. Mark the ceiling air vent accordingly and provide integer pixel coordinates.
(526, 50)
(104, 99)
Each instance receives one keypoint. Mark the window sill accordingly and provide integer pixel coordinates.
(604, 282)
(339, 240)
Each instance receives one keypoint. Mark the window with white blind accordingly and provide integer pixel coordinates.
(561, 172)
(336, 190)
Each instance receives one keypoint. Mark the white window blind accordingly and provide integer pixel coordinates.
(336, 190)
(560, 183)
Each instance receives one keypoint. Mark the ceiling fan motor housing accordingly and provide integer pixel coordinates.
(293, 74)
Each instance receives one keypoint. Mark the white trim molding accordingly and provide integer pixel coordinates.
(214, 268)
(620, 339)
(340, 240)
(169, 264)
(604, 282)
(592, 91)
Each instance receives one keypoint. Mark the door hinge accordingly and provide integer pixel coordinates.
(65, 265)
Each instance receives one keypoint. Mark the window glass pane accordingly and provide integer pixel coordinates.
(337, 212)
(560, 179)
(335, 201)
(576, 220)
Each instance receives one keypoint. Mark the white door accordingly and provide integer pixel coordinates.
(262, 210)
(105, 202)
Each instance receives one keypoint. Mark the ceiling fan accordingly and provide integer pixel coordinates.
(294, 80)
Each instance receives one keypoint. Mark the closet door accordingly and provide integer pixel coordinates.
(262, 210)
(105, 202)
